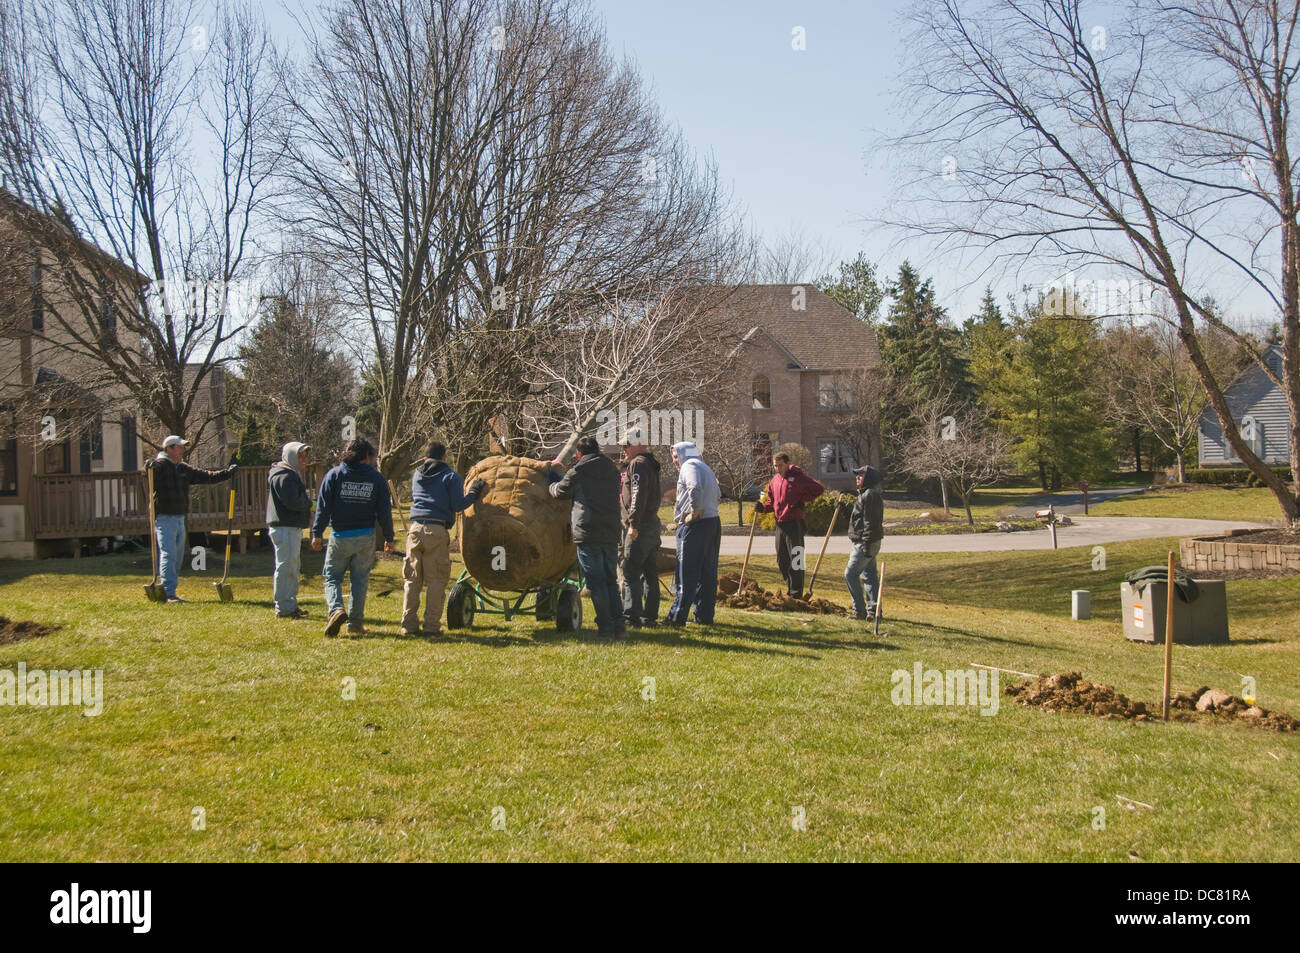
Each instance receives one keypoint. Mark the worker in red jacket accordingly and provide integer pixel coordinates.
(785, 496)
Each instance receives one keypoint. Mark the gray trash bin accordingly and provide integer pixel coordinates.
(1203, 622)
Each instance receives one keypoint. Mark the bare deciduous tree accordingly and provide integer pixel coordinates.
(485, 173)
(960, 450)
(111, 111)
(659, 352)
(1158, 146)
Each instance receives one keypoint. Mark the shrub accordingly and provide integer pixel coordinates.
(1222, 476)
(818, 513)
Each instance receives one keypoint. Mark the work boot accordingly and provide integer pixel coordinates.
(356, 630)
(620, 633)
(175, 599)
(337, 618)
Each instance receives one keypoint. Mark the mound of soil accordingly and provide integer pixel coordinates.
(753, 596)
(11, 632)
(1069, 691)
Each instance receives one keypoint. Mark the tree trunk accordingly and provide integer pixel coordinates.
(965, 501)
(1042, 475)
(943, 491)
(740, 512)
(1182, 472)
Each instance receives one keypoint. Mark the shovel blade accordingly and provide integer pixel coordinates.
(154, 592)
(224, 592)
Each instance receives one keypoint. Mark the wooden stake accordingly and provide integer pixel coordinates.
(753, 524)
(829, 529)
(1169, 633)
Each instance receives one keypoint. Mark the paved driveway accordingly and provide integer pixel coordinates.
(1071, 502)
(1086, 531)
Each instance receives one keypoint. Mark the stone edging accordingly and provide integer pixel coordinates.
(1214, 553)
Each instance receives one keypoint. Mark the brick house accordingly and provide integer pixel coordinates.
(800, 350)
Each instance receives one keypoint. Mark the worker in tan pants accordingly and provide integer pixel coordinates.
(437, 495)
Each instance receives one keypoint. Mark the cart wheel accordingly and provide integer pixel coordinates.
(543, 610)
(460, 607)
(568, 611)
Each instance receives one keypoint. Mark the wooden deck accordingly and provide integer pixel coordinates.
(116, 503)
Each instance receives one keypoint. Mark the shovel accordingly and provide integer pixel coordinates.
(829, 529)
(224, 592)
(154, 591)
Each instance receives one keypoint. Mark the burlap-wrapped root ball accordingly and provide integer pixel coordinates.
(518, 515)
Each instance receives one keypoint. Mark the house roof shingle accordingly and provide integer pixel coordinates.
(823, 336)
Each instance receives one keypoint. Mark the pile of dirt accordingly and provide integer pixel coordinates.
(1216, 703)
(1069, 691)
(11, 632)
(753, 596)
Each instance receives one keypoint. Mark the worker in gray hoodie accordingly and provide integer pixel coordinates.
(288, 513)
(866, 532)
(699, 536)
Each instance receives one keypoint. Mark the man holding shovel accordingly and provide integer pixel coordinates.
(288, 513)
(786, 494)
(172, 479)
(866, 532)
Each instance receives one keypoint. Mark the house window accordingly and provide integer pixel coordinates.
(107, 322)
(9, 466)
(835, 458)
(38, 303)
(834, 392)
(91, 446)
(762, 392)
(130, 452)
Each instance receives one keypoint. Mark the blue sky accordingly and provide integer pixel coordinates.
(791, 130)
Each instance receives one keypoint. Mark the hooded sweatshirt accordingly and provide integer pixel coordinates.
(641, 493)
(287, 502)
(438, 493)
(697, 487)
(787, 494)
(593, 485)
(866, 521)
(352, 497)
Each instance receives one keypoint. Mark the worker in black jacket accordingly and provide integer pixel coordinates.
(593, 485)
(866, 531)
(641, 494)
(172, 479)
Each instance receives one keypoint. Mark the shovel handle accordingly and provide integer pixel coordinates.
(835, 515)
(231, 515)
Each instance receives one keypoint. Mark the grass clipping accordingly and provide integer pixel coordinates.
(1070, 691)
(754, 596)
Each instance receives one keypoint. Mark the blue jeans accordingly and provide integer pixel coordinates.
(354, 555)
(862, 569)
(697, 569)
(288, 564)
(170, 531)
(641, 573)
(599, 562)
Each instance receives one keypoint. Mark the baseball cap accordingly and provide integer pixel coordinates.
(860, 471)
(175, 441)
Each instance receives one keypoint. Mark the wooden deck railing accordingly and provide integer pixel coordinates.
(116, 503)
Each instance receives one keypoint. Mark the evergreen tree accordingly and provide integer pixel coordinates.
(856, 287)
(1037, 378)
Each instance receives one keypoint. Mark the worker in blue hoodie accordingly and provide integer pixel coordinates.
(437, 495)
(352, 498)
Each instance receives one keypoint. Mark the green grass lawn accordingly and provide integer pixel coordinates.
(226, 708)
(1253, 504)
